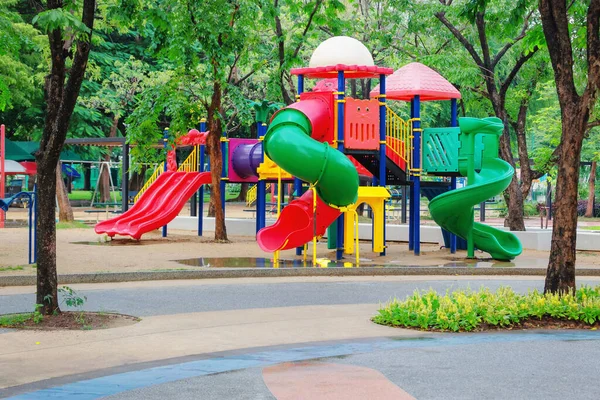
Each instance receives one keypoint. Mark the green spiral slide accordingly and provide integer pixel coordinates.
(454, 210)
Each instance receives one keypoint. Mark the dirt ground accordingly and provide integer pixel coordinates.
(83, 251)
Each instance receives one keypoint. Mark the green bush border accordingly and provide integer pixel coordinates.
(467, 310)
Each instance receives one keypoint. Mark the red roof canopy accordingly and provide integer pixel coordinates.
(30, 167)
(416, 79)
(350, 71)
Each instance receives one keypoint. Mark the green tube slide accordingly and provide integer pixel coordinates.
(454, 210)
(289, 144)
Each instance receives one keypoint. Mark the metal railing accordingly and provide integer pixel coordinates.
(159, 170)
(191, 162)
(189, 165)
(253, 194)
(399, 137)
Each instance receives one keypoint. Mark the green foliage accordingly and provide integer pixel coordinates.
(60, 18)
(11, 320)
(467, 310)
(71, 298)
(37, 316)
(16, 268)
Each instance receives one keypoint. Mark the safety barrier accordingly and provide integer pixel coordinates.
(398, 140)
(252, 194)
(189, 165)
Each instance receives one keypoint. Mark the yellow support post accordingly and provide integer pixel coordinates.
(276, 255)
(375, 197)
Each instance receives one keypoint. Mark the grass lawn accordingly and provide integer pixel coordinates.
(584, 219)
(86, 195)
(591, 228)
(71, 225)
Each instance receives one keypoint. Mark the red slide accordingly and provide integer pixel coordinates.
(295, 226)
(158, 206)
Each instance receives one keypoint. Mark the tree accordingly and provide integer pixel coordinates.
(20, 58)
(120, 83)
(497, 39)
(294, 24)
(69, 39)
(562, 28)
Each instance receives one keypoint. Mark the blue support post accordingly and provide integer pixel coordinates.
(382, 144)
(339, 253)
(297, 181)
(165, 143)
(453, 122)
(200, 212)
(416, 192)
(261, 189)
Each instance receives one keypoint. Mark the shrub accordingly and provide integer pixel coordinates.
(466, 310)
(582, 207)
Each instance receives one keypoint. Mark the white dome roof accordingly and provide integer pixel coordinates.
(341, 50)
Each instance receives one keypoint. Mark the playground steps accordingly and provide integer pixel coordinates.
(395, 175)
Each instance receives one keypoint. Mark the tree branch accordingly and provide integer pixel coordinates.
(511, 76)
(593, 48)
(511, 43)
(593, 124)
(441, 16)
(307, 27)
(485, 48)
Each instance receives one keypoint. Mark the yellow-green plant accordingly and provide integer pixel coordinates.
(467, 310)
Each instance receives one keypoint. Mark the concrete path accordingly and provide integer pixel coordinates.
(193, 330)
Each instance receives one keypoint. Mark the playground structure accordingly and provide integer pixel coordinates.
(324, 141)
(304, 137)
(6, 202)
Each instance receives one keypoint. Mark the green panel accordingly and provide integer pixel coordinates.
(440, 150)
(332, 236)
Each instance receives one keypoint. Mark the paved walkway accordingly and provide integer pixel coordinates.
(288, 338)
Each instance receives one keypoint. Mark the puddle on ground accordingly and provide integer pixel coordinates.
(123, 242)
(261, 262)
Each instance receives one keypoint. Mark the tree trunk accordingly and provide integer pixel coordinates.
(575, 112)
(560, 276)
(87, 177)
(60, 101)
(105, 176)
(213, 147)
(512, 195)
(211, 204)
(65, 211)
(47, 294)
(589, 212)
(243, 192)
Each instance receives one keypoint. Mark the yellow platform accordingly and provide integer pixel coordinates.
(375, 197)
(269, 170)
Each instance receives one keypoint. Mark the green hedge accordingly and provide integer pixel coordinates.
(467, 310)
